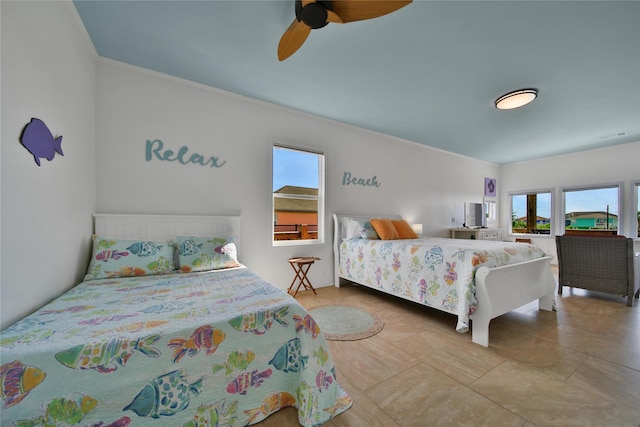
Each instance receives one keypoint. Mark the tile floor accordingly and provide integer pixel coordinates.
(579, 366)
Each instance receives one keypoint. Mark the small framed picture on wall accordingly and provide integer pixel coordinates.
(490, 187)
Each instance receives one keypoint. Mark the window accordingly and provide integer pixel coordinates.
(592, 210)
(298, 196)
(636, 213)
(531, 212)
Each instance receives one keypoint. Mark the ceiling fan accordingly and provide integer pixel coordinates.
(314, 14)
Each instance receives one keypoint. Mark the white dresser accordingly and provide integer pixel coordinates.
(477, 233)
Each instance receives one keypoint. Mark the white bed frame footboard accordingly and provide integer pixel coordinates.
(499, 290)
(502, 289)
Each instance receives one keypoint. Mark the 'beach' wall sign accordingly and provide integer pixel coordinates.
(348, 179)
(156, 149)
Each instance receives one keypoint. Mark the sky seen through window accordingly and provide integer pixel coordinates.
(296, 168)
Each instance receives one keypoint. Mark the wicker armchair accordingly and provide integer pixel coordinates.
(601, 264)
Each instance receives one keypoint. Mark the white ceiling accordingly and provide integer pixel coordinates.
(428, 73)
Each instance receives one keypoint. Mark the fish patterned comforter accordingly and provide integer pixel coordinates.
(221, 348)
(431, 271)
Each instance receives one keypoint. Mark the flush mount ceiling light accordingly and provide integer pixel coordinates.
(516, 99)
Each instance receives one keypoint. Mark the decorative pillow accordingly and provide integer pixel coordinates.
(206, 253)
(367, 231)
(350, 229)
(385, 229)
(357, 229)
(121, 258)
(404, 229)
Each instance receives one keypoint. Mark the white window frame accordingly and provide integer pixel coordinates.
(552, 218)
(635, 188)
(563, 205)
(320, 197)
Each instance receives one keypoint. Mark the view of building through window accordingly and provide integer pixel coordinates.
(638, 207)
(586, 210)
(298, 195)
(531, 213)
(593, 210)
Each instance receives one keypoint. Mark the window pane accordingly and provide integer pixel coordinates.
(519, 213)
(531, 213)
(591, 210)
(638, 206)
(297, 194)
(294, 168)
(296, 219)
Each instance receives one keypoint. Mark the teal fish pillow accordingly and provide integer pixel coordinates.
(121, 258)
(206, 253)
(367, 231)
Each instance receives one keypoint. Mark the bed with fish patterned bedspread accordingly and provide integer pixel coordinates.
(218, 348)
(436, 272)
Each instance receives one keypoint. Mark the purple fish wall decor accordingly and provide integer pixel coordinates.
(37, 138)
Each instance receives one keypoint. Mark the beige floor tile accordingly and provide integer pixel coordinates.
(588, 322)
(627, 330)
(452, 354)
(611, 381)
(422, 396)
(605, 346)
(549, 402)
(364, 412)
(369, 361)
(573, 301)
(407, 320)
(531, 321)
(538, 355)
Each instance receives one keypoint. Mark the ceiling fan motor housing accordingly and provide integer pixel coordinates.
(313, 14)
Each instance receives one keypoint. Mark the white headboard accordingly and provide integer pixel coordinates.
(337, 223)
(165, 227)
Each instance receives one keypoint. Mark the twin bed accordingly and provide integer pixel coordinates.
(474, 280)
(178, 344)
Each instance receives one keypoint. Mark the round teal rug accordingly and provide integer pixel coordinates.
(344, 323)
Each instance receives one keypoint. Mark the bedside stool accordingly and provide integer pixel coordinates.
(301, 267)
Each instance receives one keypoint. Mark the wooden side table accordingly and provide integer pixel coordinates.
(301, 267)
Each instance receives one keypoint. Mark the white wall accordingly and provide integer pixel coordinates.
(48, 72)
(613, 165)
(133, 105)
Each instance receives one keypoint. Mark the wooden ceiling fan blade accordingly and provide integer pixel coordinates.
(292, 39)
(333, 17)
(359, 10)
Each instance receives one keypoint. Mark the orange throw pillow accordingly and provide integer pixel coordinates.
(385, 229)
(404, 229)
